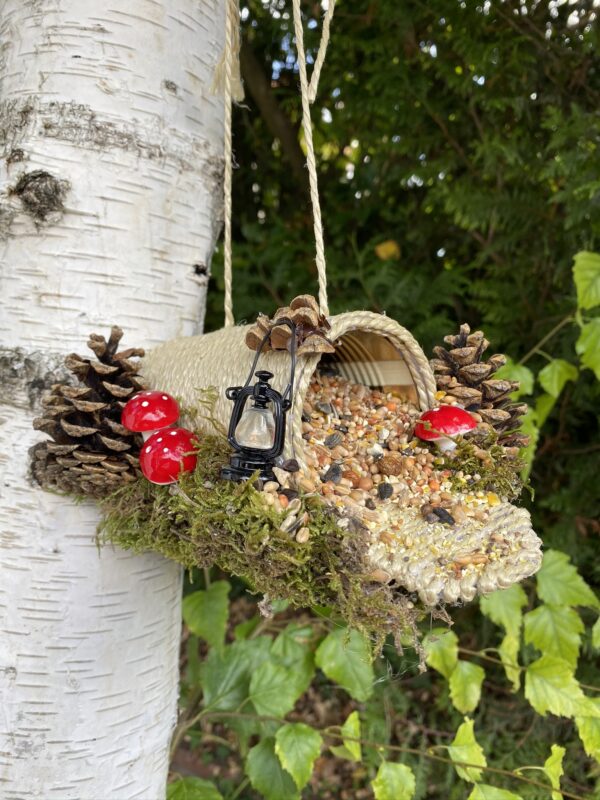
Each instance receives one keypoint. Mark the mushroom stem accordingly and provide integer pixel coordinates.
(446, 444)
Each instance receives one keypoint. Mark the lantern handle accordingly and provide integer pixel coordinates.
(289, 390)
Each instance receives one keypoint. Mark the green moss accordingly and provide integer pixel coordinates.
(497, 471)
(204, 521)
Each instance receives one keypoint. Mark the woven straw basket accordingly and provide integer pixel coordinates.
(374, 350)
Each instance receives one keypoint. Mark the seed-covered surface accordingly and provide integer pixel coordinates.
(444, 544)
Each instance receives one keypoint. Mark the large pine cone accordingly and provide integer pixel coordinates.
(466, 379)
(91, 453)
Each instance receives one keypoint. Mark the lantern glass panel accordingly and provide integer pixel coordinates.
(256, 429)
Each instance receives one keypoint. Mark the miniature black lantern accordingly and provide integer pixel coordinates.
(257, 425)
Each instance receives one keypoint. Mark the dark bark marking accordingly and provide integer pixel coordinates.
(41, 194)
(26, 376)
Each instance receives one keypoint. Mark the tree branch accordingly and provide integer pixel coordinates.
(277, 122)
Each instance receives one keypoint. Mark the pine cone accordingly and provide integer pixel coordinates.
(91, 453)
(311, 328)
(466, 379)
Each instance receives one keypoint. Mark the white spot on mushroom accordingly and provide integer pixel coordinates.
(173, 433)
(165, 449)
(160, 438)
(148, 449)
(164, 397)
(145, 404)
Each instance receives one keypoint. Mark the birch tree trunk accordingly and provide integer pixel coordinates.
(110, 165)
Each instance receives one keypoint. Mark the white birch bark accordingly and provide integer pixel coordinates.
(113, 101)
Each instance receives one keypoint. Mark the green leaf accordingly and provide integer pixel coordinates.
(267, 775)
(298, 747)
(596, 635)
(293, 648)
(465, 748)
(555, 374)
(244, 629)
(553, 767)
(193, 789)
(589, 731)
(559, 583)
(504, 608)
(394, 782)
(225, 676)
(205, 613)
(483, 791)
(274, 689)
(351, 749)
(465, 686)
(550, 685)
(556, 631)
(509, 655)
(588, 346)
(224, 679)
(543, 406)
(345, 657)
(441, 650)
(517, 372)
(586, 274)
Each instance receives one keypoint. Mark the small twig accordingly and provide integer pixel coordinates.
(549, 335)
(237, 792)
(207, 581)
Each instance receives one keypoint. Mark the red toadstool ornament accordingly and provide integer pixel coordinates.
(440, 424)
(167, 451)
(167, 454)
(148, 412)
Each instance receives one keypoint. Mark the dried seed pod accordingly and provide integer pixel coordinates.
(444, 516)
(333, 440)
(303, 535)
(391, 464)
(385, 491)
(333, 474)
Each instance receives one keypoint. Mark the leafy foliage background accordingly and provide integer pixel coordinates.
(458, 147)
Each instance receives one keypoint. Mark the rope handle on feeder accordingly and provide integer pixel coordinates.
(308, 90)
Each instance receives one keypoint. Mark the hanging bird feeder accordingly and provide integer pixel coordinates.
(441, 562)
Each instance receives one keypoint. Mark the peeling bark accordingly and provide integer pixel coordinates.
(109, 201)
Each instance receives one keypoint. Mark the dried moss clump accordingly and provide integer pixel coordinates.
(485, 458)
(204, 521)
